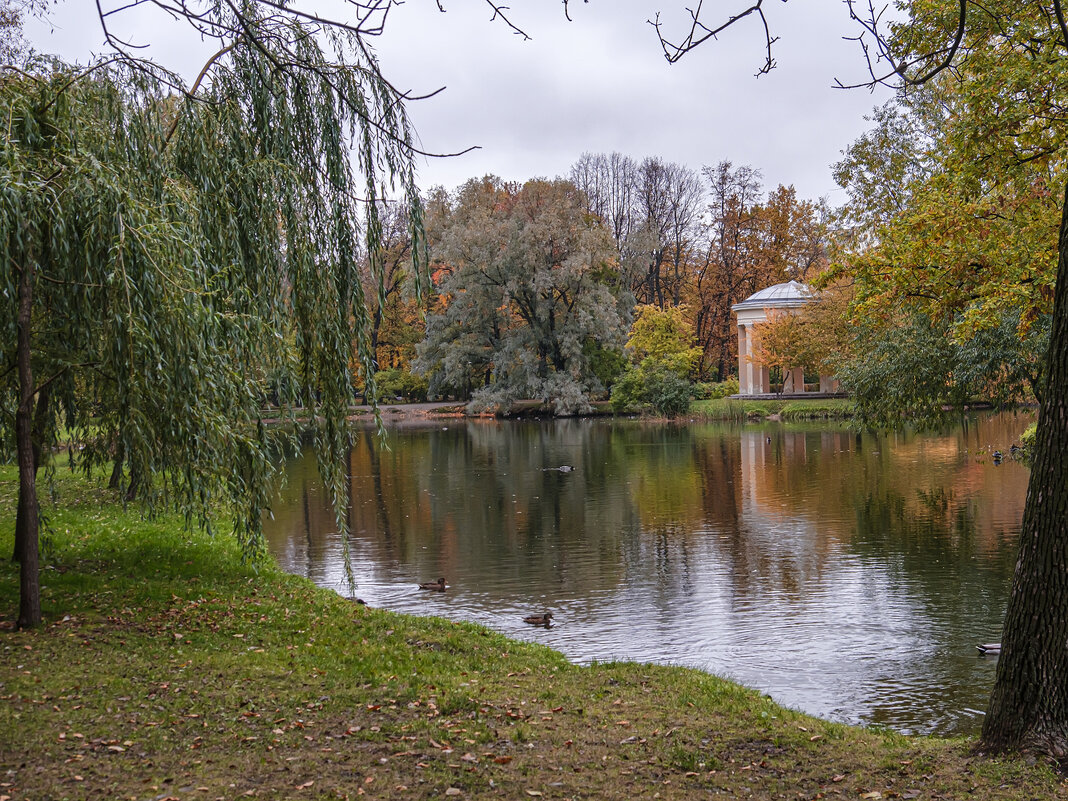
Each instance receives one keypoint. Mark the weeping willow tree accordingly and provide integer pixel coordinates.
(173, 255)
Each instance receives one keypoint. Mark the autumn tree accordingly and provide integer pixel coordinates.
(526, 300)
(393, 291)
(750, 241)
(818, 337)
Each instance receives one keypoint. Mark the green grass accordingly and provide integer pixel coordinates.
(739, 410)
(827, 409)
(167, 668)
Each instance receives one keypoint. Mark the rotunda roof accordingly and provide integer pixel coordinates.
(781, 296)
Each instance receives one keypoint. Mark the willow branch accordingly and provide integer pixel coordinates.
(193, 89)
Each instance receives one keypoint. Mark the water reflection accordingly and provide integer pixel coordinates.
(847, 575)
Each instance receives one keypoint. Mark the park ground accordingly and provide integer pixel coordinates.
(169, 669)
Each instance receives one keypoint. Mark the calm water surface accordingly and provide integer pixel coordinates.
(848, 576)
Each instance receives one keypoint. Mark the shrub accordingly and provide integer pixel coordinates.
(651, 387)
(723, 389)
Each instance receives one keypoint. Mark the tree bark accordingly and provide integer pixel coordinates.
(1029, 705)
(27, 516)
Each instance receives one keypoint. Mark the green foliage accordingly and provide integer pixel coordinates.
(1027, 438)
(652, 387)
(916, 371)
(729, 409)
(527, 281)
(394, 384)
(714, 391)
(660, 341)
(831, 409)
(193, 255)
(607, 364)
(954, 200)
(664, 336)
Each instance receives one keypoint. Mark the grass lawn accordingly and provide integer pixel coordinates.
(167, 669)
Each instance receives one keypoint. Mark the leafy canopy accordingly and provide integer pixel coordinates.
(185, 248)
(527, 288)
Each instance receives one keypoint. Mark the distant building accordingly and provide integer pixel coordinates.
(753, 378)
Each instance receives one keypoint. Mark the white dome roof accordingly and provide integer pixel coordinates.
(781, 296)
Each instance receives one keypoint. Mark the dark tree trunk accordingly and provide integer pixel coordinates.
(115, 482)
(1029, 705)
(37, 438)
(27, 516)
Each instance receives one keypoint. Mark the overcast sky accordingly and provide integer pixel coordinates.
(598, 84)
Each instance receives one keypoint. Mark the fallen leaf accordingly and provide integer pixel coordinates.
(306, 785)
(838, 777)
(453, 791)
(502, 760)
(815, 737)
(872, 794)
(533, 792)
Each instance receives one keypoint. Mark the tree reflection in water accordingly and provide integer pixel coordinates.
(848, 575)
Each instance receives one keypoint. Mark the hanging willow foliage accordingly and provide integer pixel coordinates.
(174, 260)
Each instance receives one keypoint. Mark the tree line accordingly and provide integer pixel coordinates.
(535, 285)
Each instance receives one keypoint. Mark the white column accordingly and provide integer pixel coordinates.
(794, 380)
(759, 379)
(743, 350)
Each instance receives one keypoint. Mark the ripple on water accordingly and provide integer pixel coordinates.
(845, 576)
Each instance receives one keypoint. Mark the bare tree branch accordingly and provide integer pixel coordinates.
(873, 40)
(870, 25)
(700, 32)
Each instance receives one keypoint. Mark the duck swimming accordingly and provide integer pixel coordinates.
(539, 620)
(436, 586)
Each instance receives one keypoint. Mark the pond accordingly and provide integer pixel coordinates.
(847, 575)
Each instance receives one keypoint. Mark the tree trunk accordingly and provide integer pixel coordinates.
(27, 516)
(37, 439)
(1029, 705)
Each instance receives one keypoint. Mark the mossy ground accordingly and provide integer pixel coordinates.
(167, 669)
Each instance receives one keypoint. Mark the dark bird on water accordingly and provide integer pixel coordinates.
(436, 586)
(539, 620)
